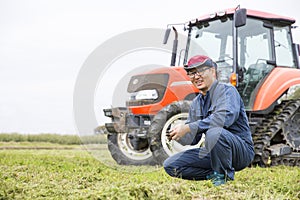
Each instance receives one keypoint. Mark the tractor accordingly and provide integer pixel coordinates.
(255, 52)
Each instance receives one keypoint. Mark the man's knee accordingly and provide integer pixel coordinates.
(167, 162)
(212, 137)
(169, 166)
(213, 133)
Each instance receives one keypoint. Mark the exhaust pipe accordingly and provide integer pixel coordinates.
(174, 50)
(175, 44)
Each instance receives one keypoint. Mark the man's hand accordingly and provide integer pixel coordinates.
(179, 131)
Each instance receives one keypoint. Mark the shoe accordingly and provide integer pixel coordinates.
(217, 179)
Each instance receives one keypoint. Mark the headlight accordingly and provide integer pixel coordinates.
(145, 94)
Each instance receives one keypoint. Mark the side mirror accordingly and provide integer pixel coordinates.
(167, 34)
(296, 48)
(240, 17)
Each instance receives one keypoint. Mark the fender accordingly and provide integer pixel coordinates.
(278, 81)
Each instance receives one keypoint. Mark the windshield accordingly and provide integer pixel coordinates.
(215, 41)
(283, 46)
(255, 44)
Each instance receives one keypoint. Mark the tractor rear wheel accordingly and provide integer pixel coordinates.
(277, 138)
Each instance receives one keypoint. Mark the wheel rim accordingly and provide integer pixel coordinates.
(172, 147)
(127, 149)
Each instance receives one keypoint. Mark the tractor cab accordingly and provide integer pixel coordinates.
(247, 45)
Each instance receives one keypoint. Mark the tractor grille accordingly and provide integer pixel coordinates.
(138, 83)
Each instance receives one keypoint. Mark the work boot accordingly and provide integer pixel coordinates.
(217, 179)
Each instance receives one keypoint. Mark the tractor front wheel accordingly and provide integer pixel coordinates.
(170, 116)
(124, 153)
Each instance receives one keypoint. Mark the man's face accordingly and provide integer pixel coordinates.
(202, 78)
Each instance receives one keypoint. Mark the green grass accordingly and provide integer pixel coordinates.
(53, 138)
(76, 174)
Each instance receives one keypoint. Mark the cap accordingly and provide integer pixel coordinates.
(199, 61)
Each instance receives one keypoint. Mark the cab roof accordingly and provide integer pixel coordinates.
(251, 13)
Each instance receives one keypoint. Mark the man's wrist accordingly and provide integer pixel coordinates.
(187, 128)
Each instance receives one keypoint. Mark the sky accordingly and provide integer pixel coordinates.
(44, 44)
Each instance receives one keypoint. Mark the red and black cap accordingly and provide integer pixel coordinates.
(199, 61)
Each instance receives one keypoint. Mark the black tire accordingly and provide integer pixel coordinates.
(172, 114)
(291, 130)
(124, 154)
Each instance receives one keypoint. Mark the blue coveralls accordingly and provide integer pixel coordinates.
(221, 116)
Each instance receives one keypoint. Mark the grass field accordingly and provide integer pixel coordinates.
(50, 166)
(73, 173)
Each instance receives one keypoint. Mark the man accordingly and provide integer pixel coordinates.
(219, 113)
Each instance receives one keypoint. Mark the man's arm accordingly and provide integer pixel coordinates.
(224, 113)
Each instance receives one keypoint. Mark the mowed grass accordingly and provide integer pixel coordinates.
(76, 174)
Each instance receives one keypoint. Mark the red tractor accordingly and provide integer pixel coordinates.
(255, 52)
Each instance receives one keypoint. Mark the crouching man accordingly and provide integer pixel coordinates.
(219, 113)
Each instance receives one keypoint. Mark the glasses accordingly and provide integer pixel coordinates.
(199, 72)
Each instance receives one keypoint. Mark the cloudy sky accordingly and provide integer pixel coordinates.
(44, 43)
